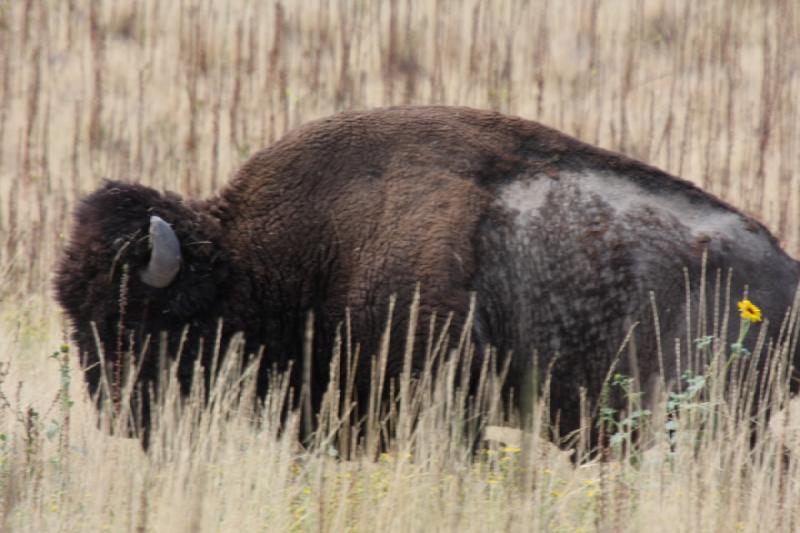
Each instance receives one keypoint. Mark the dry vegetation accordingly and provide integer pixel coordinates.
(178, 94)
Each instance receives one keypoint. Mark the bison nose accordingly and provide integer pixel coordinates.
(165, 255)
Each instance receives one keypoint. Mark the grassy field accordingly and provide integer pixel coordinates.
(178, 94)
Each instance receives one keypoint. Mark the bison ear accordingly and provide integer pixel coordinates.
(165, 255)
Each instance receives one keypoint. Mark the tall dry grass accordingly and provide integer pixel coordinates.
(178, 94)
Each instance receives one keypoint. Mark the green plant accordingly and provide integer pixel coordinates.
(622, 425)
(60, 427)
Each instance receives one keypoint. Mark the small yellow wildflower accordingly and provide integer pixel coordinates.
(555, 493)
(588, 482)
(512, 449)
(494, 478)
(307, 491)
(749, 311)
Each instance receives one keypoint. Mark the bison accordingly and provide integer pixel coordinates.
(564, 245)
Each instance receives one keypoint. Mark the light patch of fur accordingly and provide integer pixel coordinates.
(526, 196)
(626, 196)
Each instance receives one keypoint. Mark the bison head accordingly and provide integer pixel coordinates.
(139, 263)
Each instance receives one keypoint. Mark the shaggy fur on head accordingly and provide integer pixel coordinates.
(111, 233)
(98, 282)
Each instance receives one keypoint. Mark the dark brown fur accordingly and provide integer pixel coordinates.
(345, 211)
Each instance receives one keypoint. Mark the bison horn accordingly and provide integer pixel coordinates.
(165, 255)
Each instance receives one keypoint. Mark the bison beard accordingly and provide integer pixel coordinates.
(562, 244)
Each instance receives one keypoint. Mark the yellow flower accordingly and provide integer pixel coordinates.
(749, 311)
(511, 449)
(494, 478)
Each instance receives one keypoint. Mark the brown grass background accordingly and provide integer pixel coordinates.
(178, 94)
